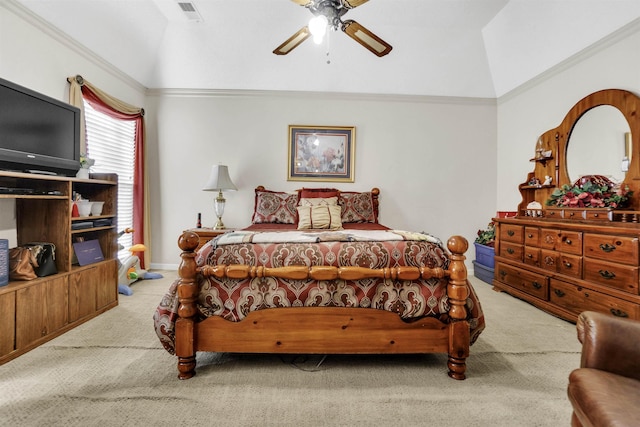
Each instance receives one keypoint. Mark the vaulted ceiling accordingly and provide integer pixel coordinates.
(462, 48)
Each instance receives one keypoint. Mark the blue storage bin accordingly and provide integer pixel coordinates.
(482, 272)
(485, 255)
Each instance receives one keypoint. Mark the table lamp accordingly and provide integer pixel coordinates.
(218, 181)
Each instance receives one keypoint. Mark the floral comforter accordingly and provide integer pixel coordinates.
(233, 299)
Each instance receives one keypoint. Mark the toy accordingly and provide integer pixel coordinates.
(129, 270)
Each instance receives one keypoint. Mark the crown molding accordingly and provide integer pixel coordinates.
(346, 96)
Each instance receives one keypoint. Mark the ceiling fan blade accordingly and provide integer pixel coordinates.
(353, 3)
(301, 2)
(366, 38)
(293, 41)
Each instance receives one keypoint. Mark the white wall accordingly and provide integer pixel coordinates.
(543, 104)
(433, 159)
(41, 60)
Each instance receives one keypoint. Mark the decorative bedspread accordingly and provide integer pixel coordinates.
(233, 299)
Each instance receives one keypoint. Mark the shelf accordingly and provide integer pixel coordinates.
(32, 196)
(92, 217)
(536, 187)
(541, 159)
(89, 230)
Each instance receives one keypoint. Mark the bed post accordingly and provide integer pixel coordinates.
(458, 292)
(187, 294)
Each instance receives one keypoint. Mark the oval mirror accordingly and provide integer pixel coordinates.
(598, 144)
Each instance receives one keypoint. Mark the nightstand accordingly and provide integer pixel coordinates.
(205, 234)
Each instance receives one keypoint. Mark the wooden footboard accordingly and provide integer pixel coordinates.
(322, 330)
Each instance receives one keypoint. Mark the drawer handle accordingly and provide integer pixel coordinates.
(559, 293)
(510, 251)
(568, 241)
(567, 264)
(530, 235)
(536, 285)
(503, 273)
(529, 256)
(511, 232)
(607, 247)
(618, 312)
(607, 274)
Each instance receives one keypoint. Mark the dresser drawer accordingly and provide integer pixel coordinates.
(531, 256)
(613, 275)
(558, 240)
(578, 299)
(553, 213)
(549, 260)
(558, 262)
(511, 233)
(573, 213)
(523, 280)
(532, 236)
(612, 248)
(511, 251)
(598, 214)
(571, 265)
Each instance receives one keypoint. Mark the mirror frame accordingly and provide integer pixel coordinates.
(629, 105)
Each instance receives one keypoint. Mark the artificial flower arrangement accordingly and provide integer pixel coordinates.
(591, 192)
(86, 162)
(487, 237)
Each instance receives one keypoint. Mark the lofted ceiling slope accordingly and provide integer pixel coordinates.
(460, 48)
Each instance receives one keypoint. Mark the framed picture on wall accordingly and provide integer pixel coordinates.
(321, 153)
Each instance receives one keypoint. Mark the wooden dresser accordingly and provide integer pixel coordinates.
(567, 260)
(566, 267)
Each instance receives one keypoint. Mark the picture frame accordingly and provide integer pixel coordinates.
(322, 153)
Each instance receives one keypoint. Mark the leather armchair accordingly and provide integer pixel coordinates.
(605, 390)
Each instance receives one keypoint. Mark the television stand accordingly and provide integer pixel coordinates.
(35, 311)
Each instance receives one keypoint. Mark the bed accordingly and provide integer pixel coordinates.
(316, 273)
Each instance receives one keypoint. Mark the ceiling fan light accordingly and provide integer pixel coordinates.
(318, 26)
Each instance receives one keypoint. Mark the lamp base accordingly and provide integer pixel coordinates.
(219, 225)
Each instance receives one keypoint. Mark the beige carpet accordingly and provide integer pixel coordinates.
(112, 371)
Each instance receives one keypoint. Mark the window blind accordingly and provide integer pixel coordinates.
(111, 143)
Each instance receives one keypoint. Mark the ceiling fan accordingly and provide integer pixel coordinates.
(327, 14)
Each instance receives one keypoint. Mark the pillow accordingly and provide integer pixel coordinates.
(319, 201)
(357, 207)
(275, 207)
(310, 193)
(316, 217)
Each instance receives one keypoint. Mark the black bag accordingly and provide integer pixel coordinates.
(45, 255)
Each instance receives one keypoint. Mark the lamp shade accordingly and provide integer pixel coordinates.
(219, 179)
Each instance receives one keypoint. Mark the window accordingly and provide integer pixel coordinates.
(111, 143)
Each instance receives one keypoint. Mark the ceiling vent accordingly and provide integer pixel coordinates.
(190, 11)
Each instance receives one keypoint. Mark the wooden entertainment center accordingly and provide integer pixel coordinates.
(566, 260)
(33, 312)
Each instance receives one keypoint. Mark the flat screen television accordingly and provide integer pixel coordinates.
(37, 133)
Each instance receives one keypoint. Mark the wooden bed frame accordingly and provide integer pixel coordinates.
(322, 330)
